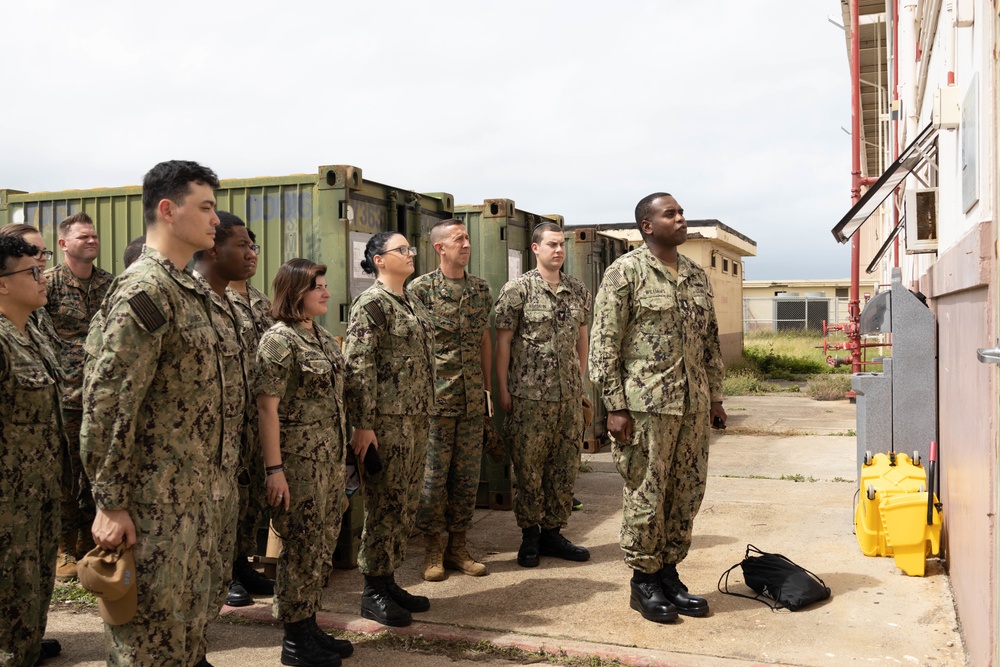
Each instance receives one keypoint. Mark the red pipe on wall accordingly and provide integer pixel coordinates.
(854, 301)
(895, 123)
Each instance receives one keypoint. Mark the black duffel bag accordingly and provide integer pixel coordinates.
(774, 576)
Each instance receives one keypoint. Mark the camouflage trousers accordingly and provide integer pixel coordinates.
(308, 531)
(28, 543)
(545, 441)
(665, 467)
(173, 552)
(252, 501)
(77, 507)
(451, 476)
(392, 496)
(225, 508)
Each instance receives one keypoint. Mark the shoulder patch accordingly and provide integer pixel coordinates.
(275, 348)
(614, 278)
(375, 313)
(147, 312)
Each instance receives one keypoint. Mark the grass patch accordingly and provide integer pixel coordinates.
(480, 651)
(799, 477)
(745, 382)
(829, 387)
(72, 594)
(848, 433)
(843, 479)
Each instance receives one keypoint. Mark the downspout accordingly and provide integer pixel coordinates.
(854, 302)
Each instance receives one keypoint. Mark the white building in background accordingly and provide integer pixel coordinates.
(929, 94)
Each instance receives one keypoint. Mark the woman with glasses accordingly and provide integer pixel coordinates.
(390, 356)
(40, 319)
(31, 449)
(303, 431)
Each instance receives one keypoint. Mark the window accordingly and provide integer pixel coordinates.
(736, 268)
(713, 260)
(725, 265)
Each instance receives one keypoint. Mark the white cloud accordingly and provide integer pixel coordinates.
(573, 107)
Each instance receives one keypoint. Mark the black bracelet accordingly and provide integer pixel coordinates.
(273, 470)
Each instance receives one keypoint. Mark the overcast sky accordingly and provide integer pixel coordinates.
(574, 107)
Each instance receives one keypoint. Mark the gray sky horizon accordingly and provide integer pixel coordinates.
(576, 108)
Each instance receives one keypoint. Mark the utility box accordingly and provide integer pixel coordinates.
(897, 409)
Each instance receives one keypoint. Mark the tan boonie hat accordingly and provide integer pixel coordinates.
(110, 575)
(588, 412)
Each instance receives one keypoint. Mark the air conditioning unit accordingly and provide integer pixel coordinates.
(921, 208)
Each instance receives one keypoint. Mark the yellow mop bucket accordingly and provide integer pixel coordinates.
(897, 515)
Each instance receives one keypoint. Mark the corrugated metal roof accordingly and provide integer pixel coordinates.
(874, 67)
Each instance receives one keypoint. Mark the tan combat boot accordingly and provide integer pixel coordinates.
(456, 557)
(66, 560)
(433, 569)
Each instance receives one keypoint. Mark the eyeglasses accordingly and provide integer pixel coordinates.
(255, 248)
(404, 251)
(44, 254)
(36, 273)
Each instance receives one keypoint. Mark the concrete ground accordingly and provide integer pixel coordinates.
(782, 477)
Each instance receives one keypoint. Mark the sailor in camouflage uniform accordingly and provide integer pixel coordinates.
(459, 305)
(152, 438)
(390, 356)
(30, 452)
(229, 259)
(253, 306)
(303, 428)
(541, 321)
(76, 289)
(657, 358)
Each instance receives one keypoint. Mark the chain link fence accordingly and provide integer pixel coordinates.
(785, 313)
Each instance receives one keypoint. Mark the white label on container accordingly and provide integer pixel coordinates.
(513, 264)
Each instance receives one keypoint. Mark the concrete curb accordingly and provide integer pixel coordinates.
(626, 655)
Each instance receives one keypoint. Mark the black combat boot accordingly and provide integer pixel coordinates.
(49, 648)
(300, 647)
(648, 599)
(253, 581)
(238, 595)
(377, 604)
(527, 555)
(552, 543)
(341, 647)
(677, 593)
(409, 602)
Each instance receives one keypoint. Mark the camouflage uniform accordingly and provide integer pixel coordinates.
(228, 324)
(455, 445)
(390, 356)
(545, 426)
(71, 306)
(305, 369)
(152, 443)
(30, 452)
(655, 351)
(255, 319)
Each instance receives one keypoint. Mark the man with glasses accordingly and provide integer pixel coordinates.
(460, 304)
(541, 360)
(152, 439)
(76, 289)
(253, 307)
(31, 447)
(657, 358)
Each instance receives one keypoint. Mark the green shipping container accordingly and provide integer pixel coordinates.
(588, 255)
(500, 235)
(327, 217)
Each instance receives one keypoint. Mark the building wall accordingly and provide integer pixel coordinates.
(728, 289)
(964, 302)
(961, 282)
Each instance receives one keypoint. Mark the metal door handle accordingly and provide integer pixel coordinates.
(989, 355)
